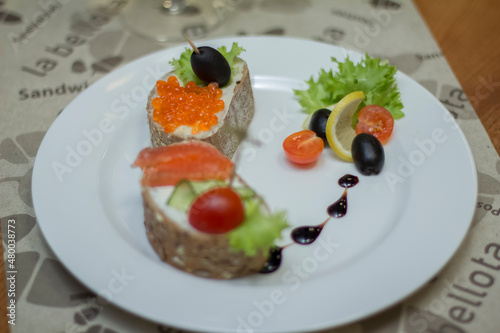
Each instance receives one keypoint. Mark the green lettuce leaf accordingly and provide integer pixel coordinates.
(259, 231)
(231, 56)
(182, 65)
(374, 77)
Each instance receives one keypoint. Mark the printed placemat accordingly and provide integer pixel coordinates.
(53, 50)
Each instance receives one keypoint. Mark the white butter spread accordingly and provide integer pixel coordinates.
(160, 196)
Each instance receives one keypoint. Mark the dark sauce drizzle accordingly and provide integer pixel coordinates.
(338, 209)
(348, 181)
(308, 234)
(274, 261)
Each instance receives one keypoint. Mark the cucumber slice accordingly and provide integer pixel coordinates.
(202, 186)
(182, 196)
(186, 191)
(245, 192)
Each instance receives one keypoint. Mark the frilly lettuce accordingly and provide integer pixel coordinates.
(259, 231)
(182, 65)
(231, 55)
(374, 77)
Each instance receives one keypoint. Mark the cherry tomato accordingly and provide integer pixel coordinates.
(377, 121)
(216, 211)
(303, 147)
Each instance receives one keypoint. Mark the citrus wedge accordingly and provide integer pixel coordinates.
(307, 121)
(339, 131)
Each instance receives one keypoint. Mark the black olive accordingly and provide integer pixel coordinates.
(367, 154)
(209, 65)
(317, 123)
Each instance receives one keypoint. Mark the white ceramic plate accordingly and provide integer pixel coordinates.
(401, 227)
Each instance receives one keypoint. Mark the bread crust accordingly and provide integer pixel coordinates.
(202, 254)
(225, 138)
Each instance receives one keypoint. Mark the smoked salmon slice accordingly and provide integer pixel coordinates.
(193, 160)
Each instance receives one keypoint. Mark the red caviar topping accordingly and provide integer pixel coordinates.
(190, 105)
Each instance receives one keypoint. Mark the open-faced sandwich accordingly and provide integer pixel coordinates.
(200, 216)
(208, 97)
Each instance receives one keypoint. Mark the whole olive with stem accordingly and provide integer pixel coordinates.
(209, 65)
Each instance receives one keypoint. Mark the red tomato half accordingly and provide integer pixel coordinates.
(217, 211)
(303, 147)
(377, 121)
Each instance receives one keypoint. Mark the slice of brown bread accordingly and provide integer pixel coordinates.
(202, 254)
(233, 122)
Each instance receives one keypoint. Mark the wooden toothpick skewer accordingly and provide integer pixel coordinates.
(192, 44)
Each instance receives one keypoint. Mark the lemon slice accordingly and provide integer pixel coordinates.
(339, 131)
(307, 121)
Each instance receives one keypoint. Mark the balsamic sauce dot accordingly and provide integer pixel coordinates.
(348, 181)
(338, 208)
(273, 262)
(306, 235)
